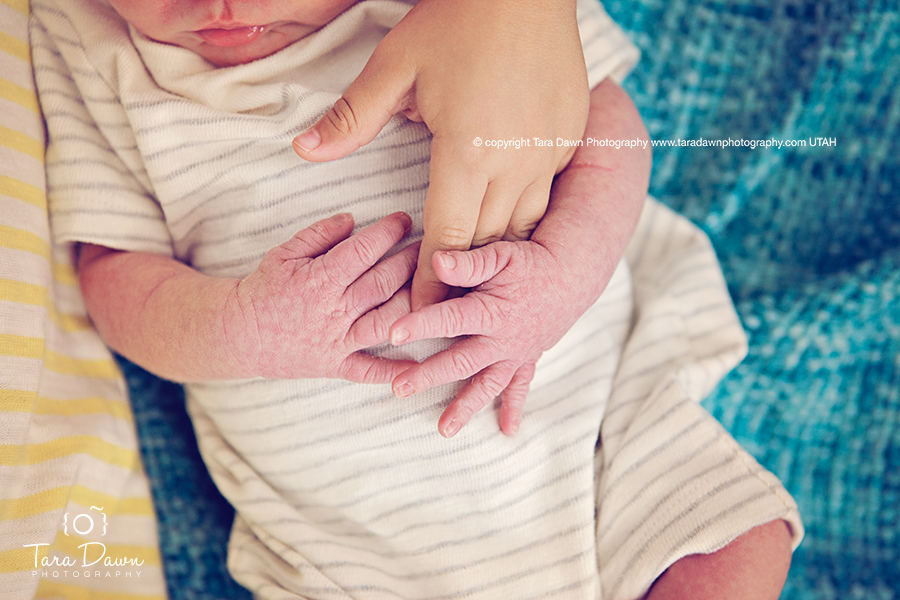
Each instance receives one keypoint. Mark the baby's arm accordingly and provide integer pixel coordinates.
(595, 204)
(489, 69)
(307, 311)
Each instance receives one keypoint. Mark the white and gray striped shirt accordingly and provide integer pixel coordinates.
(342, 490)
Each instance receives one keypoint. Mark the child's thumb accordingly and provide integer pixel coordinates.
(376, 95)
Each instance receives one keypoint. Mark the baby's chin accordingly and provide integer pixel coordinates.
(232, 57)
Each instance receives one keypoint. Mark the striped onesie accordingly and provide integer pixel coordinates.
(342, 490)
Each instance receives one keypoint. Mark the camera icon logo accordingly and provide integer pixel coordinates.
(80, 526)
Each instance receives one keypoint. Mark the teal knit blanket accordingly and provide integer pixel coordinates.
(809, 238)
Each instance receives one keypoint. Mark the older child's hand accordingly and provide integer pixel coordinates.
(487, 69)
(320, 298)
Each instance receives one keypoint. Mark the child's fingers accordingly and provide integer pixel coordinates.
(376, 95)
(497, 207)
(347, 261)
(371, 329)
(513, 399)
(477, 394)
(529, 210)
(360, 367)
(318, 238)
(382, 281)
(452, 206)
(461, 360)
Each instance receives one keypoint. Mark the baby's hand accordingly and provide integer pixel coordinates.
(517, 286)
(496, 70)
(315, 302)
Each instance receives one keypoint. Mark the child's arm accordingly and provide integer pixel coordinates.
(489, 69)
(306, 311)
(594, 208)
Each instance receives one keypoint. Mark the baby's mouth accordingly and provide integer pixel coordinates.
(232, 36)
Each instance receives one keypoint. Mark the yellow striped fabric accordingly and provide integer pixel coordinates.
(70, 470)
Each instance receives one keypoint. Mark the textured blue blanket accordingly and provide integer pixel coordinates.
(809, 238)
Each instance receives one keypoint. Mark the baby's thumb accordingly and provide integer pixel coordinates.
(471, 268)
(376, 95)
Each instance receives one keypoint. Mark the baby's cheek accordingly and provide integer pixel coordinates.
(151, 17)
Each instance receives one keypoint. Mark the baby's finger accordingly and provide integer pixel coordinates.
(513, 399)
(529, 210)
(452, 206)
(318, 238)
(461, 360)
(347, 261)
(472, 268)
(372, 328)
(472, 314)
(382, 281)
(360, 367)
(477, 394)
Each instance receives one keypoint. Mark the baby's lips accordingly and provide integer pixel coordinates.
(231, 37)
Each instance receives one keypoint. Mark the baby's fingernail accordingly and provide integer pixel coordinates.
(404, 390)
(406, 220)
(452, 428)
(341, 218)
(308, 141)
(447, 260)
(398, 336)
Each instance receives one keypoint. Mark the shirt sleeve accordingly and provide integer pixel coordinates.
(607, 50)
(97, 188)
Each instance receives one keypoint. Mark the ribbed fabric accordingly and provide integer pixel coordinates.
(342, 490)
(67, 439)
